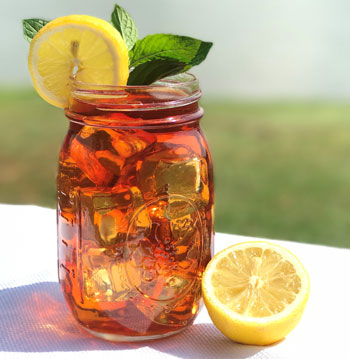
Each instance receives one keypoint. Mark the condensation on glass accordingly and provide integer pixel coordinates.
(135, 208)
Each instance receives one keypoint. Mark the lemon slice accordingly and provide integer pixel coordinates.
(255, 292)
(84, 46)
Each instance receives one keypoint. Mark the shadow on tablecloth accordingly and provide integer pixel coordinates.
(35, 318)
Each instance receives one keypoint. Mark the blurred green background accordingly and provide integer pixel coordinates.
(278, 124)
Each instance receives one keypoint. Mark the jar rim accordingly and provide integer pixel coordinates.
(178, 81)
(172, 91)
(170, 101)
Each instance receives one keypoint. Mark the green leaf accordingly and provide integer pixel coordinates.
(169, 47)
(149, 72)
(160, 55)
(31, 27)
(123, 22)
(202, 53)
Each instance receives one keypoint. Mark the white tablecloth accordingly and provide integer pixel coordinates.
(35, 322)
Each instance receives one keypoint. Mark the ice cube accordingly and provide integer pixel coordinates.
(101, 153)
(130, 142)
(108, 215)
(123, 283)
(70, 177)
(178, 177)
(105, 277)
(94, 154)
(111, 226)
(108, 285)
(97, 285)
(174, 171)
(103, 215)
(110, 161)
(117, 197)
(178, 207)
(95, 138)
(87, 161)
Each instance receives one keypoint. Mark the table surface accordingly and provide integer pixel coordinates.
(35, 321)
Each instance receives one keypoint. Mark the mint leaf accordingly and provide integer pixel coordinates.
(31, 27)
(160, 55)
(123, 22)
(202, 53)
(169, 47)
(149, 72)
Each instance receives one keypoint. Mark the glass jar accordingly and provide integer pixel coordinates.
(135, 208)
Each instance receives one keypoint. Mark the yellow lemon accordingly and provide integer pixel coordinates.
(89, 48)
(255, 292)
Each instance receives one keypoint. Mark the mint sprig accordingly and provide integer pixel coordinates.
(159, 55)
(31, 27)
(123, 22)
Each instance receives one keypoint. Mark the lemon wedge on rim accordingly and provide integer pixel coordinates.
(89, 48)
(255, 292)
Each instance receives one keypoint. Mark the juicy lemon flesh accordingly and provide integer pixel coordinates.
(256, 282)
(85, 47)
(255, 292)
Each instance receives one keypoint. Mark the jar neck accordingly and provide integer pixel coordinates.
(167, 103)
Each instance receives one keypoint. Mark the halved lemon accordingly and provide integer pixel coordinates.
(255, 292)
(89, 48)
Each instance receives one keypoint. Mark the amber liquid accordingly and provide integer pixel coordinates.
(134, 219)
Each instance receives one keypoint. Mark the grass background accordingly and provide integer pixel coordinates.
(282, 170)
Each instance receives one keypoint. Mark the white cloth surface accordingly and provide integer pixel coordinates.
(35, 322)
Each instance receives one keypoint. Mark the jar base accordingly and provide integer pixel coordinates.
(124, 338)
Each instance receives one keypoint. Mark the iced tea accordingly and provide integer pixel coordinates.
(135, 209)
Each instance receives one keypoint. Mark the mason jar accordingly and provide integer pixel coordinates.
(135, 208)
